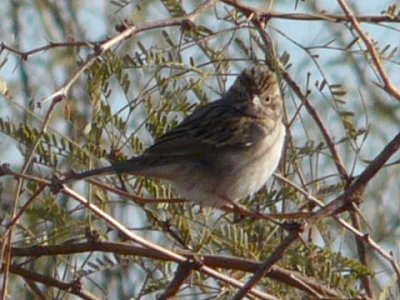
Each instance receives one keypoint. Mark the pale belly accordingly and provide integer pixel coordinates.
(254, 169)
(250, 171)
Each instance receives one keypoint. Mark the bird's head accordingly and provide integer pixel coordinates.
(256, 92)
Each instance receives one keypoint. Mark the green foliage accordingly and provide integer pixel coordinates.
(334, 269)
(51, 147)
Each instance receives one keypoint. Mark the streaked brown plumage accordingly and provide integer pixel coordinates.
(224, 150)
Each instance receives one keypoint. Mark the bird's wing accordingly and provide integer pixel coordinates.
(208, 129)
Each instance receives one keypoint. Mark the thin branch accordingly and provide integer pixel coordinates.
(388, 85)
(181, 274)
(362, 254)
(356, 232)
(73, 288)
(269, 262)
(5, 247)
(318, 120)
(39, 294)
(26, 54)
(388, 256)
(376, 19)
(359, 184)
(330, 17)
(309, 17)
(126, 33)
(18, 214)
(134, 198)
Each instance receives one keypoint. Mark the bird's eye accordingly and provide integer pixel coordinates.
(268, 99)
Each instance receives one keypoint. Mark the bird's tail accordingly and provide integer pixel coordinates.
(118, 167)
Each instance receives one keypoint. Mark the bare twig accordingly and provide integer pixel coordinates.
(134, 198)
(388, 85)
(74, 287)
(128, 32)
(318, 120)
(359, 184)
(376, 247)
(362, 254)
(24, 55)
(181, 274)
(309, 17)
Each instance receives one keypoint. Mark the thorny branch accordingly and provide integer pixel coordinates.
(388, 85)
(73, 287)
(248, 10)
(357, 188)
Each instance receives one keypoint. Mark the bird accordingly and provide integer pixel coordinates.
(224, 151)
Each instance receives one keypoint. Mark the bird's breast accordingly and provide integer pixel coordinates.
(255, 165)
